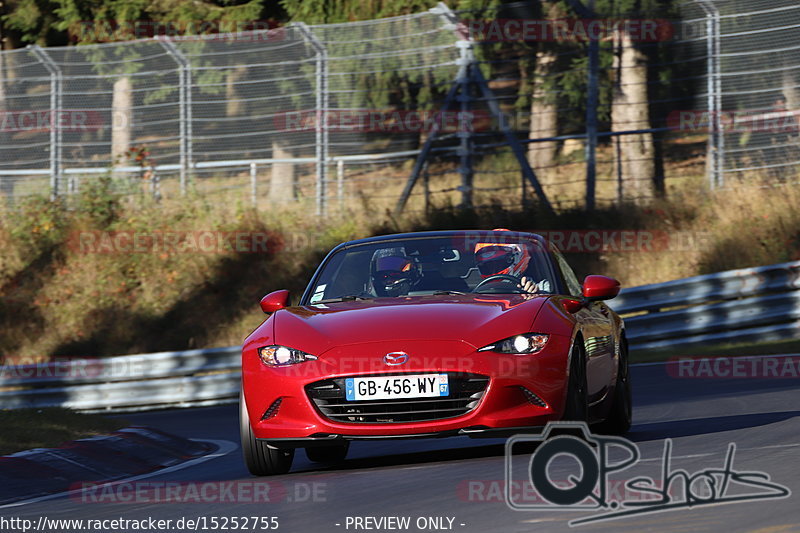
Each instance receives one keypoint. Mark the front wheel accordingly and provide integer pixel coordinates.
(260, 459)
(576, 407)
(620, 415)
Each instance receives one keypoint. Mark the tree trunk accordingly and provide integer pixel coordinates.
(121, 120)
(423, 103)
(544, 122)
(233, 105)
(635, 165)
(282, 186)
(790, 91)
(784, 141)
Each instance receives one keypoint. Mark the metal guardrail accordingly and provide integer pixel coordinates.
(753, 304)
(742, 305)
(126, 383)
(702, 289)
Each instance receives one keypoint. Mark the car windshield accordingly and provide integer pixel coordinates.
(486, 263)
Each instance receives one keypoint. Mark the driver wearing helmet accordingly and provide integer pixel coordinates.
(494, 259)
(394, 275)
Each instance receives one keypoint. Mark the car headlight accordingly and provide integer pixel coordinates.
(519, 344)
(283, 356)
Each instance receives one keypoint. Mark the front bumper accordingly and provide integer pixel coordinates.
(503, 409)
(326, 439)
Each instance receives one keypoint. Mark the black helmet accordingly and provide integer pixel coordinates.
(394, 275)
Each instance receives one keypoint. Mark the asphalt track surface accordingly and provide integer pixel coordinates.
(462, 479)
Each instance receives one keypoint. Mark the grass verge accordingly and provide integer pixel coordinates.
(61, 299)
(24, 429)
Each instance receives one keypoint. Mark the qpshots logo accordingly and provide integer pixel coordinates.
(599, 457)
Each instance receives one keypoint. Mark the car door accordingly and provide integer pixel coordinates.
(598, 328)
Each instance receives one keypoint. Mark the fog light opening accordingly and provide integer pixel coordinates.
(532, 398)
(273, 409)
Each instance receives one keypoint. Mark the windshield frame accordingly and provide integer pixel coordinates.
(477, 235)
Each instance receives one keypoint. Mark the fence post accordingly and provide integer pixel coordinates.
(253, 184)
(617, 140)
(713, 83)
(321, 128)
(156, 185)
(340, 183)
(184, 108)
(592, 99)
(466, 58)
(56, 103)
(426, 180)
(718, 124)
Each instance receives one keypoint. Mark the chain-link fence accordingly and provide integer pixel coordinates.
(759, 90)
(217, 111)
(336, 115)
(594, 97)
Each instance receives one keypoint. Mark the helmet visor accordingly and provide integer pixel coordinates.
(391, 272)
(493, 259)
(392, 263)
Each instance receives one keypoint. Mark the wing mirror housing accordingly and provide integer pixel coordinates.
(600, 288)
(275, 301)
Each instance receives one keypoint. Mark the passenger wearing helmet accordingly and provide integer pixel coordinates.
(394, 275)
(493, 259)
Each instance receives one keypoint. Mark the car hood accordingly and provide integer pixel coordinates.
(475, 319)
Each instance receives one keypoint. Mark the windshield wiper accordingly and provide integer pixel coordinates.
(457, 293)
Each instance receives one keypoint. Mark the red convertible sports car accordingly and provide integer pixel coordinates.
(479, 333)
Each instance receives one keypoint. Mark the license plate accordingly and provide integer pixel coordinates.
(393, 387)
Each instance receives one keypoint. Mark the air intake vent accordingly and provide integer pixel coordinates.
(532, 398)
(466, 391)
(273, 409)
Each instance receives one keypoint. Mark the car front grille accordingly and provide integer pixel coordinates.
(466, 391)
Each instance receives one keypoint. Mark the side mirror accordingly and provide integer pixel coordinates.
(600, 288)
(274, 301)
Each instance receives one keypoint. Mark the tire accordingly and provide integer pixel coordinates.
(335, 453)
(618, 421)
(576, 408)
(260, 459)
